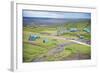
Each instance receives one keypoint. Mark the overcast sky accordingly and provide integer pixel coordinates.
(48, 14)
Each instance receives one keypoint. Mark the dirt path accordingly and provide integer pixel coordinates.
(59, 48)
(78, 41)
(52, 52)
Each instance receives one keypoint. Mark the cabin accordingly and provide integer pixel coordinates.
(73, 29)
(81, 37)
(33, 37)
(87, 30)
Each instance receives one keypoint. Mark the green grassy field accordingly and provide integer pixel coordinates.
(32, 50)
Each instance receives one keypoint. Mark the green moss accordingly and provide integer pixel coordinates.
(75, 48)
(31, 52)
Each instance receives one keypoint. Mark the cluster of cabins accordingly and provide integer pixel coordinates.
(75, 30)
(61, 31)
(34, 37)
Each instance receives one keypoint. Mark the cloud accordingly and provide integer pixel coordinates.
(48, 14)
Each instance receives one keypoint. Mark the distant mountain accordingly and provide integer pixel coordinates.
(48, 21)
